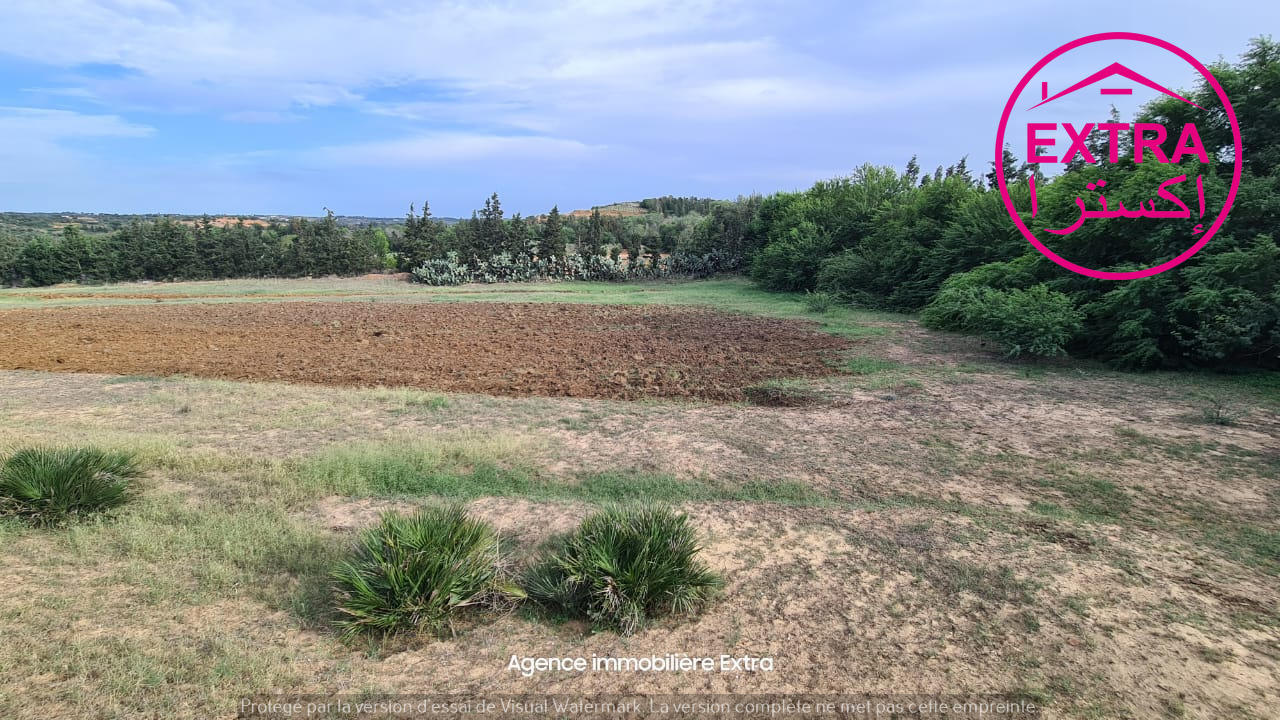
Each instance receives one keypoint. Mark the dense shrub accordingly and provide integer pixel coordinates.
(54, 486)
(412, 573)
(791, 263)
(1035, 321)
(702, 266)
(622, 567)
(886, 267)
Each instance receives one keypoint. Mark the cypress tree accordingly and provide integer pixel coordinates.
(593, 240)
(551, 241)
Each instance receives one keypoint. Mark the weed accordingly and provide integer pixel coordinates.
(778, 393)
(1217, 410)
(819, 302)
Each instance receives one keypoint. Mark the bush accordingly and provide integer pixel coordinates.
(791, 263)
(1036, 321)
(819, 302)
(413, 572)
(447, 271)
(622, 567)
(703, 265)
(55, 486)
(1217, 410)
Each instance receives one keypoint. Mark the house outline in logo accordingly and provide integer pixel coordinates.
(1104, 73)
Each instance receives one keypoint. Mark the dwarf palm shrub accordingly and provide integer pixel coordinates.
(54, 486)
(623, 566)
(412, 572)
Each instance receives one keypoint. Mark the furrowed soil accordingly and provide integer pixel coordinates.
(597, 351)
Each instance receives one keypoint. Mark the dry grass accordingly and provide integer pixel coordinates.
(941, 522)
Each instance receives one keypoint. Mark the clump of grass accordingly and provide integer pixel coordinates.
(779, 393)
(819, 302)
(414, 573)
(624, 566)
(1219, 411)
(50, 487)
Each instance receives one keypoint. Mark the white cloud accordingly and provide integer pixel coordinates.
(261, 117)
(626, 96)
(21, 126)
(242, 55)
(38, 144)
(445, 148)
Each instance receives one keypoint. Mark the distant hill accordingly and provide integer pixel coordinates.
(20, 225)
(622, 209)
(666, 206)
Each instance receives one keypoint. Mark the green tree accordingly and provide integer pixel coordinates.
(1013, 172)
(591, 243)
(912, 174)
(551, 239)
(493, 233)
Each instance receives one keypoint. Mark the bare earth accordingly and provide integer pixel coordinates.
(495, 348)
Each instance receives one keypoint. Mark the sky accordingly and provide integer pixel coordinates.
(293, 106)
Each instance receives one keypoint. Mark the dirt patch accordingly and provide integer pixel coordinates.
(494, 348)
(162, 296)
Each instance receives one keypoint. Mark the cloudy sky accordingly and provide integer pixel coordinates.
(243, 106)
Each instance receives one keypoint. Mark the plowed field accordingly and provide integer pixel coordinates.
(608, 351)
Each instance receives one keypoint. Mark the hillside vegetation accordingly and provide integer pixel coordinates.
(937, 243)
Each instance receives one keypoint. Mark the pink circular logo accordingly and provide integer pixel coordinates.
(1188, 142)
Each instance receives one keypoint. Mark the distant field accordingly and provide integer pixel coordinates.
(574, 350)
(929, 517)
(734, 295)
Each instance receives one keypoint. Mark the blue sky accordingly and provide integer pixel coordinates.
(243, 106)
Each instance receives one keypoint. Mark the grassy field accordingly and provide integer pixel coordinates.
(934, 520)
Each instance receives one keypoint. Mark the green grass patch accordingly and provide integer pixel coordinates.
(400, 470)
(1245, 543)
(732, 294)
(126, 379)
(1086, 497)
(996, 584)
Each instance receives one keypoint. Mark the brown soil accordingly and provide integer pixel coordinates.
(499, 349)
(227, 221)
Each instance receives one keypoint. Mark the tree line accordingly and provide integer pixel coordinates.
(488, 233)
(169, 249)
(172, 249)
(942, 244)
